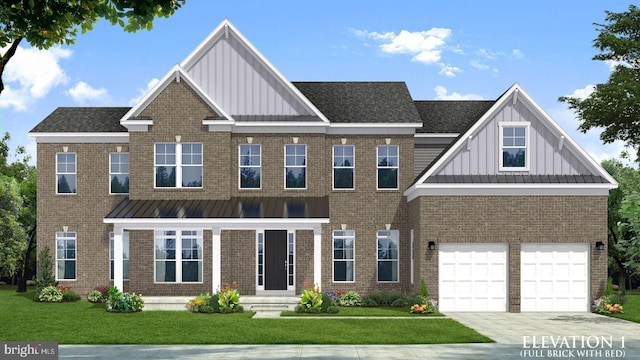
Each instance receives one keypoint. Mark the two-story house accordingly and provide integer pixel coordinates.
(227, 171)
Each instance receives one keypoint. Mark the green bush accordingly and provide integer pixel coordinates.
(50, 294)
(327, 302)
(229, 299)
(369, 302)
(70, 296)
(95, 296)
(123, 302)
(350, 298)
(45, 276)
(311, 299)
(333, 309)
(423, 289)
(401, 301)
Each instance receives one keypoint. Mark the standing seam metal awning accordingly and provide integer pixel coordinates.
(234, 208)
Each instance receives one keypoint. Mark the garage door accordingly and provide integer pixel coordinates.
(554, 277)
(473, 277)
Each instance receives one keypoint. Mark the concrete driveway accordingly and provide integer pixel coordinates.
(557, 335)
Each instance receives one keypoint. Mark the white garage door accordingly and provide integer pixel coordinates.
(554, 277)
(473, 277)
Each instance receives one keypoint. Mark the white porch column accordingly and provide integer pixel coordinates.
(317, 256)
(216, 266)
(118, 261)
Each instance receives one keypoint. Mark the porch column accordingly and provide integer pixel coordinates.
(317, 256)
(118, 261)
(216, 266)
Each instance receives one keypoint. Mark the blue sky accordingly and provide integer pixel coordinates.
(442, 50)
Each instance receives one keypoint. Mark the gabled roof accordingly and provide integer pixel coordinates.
(175, 74)
(82, 120)
(599, 179)
(450, 116)
(362, 102)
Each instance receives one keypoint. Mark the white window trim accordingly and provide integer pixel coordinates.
(178, 165)
(240, 166)
(125, 237)
(75, 239)
(334, 167)
(397, 167)
(121, 173)
(291, 241)
(58, 173)
(259, 240)
(527, 145)
(178, 258)
(333, 259)
(295, 166)
(397, 232)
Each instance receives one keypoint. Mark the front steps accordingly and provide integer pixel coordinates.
(264, 306)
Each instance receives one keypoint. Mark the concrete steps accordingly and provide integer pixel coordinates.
(264, 306)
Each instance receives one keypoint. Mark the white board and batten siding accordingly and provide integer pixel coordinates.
(554, 277)
(545, 157)
(234, 78)
(473, 277)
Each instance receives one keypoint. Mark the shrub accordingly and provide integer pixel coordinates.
(95, 296)
(423, 289)
(604, 305)
(69, 295)
(123, 302)
(401, 301)
(384, 298)
(350, 298)
(369, 302)
(327, 302)
(334, 296)
(425, 308)
(45, 276)
(201, 304)
(104, 290)
(50, 294)
(311, 299)
(229, 299)
(333, 309)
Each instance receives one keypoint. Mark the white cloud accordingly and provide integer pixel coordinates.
(31, 74)
(441, 94)
(83, 92)
(478, 65)
(425, 46)
(583, 93)
(142, 92)
(517, 54)
(449, 70)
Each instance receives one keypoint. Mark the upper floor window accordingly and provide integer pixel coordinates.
(65, 256)
(514, 142)
(295, 166)
(178, 165)
(387, 166)
(343, 167)
(119, 173)
(249, 165)
(66, 173)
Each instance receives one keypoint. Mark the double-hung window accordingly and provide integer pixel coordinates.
(387, 166)
(66, 173)
(388, 256)
(514, 142)
(125, 255)
(343, 167)
(295, 166)
(178, 165)
(65, 256)
(178, 256)
(119, 173)
(249, 165)
(343, 255)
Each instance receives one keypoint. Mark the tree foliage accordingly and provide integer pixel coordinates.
(12, 235)
(615, 105)
(44, 24)
(624, 220)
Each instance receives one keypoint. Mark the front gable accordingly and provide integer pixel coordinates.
(548, 156)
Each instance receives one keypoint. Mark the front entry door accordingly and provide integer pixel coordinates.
(275, 260)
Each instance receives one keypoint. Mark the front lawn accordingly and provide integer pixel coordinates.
(631, 308)
(86, 323)
(368, 311)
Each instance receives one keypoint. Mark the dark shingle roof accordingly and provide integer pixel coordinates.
(83, 119)
(450, 116)
(359, 102)
(516, 179)
(236, 207)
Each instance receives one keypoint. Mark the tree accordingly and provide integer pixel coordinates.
(46, 275)
(12, 236)
(615, 105)
(624, 221)
(44, 24)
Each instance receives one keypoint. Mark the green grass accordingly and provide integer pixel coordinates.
(631, 308)
(86, 323)
(368, 311)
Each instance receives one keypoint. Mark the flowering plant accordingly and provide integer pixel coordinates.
(311, 298)
(229, 298)
(426, 306)
(204, 303)
(604, 305)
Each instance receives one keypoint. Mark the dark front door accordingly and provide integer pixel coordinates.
(275, 260)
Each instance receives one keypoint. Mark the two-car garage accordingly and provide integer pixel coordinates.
(475, 277)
